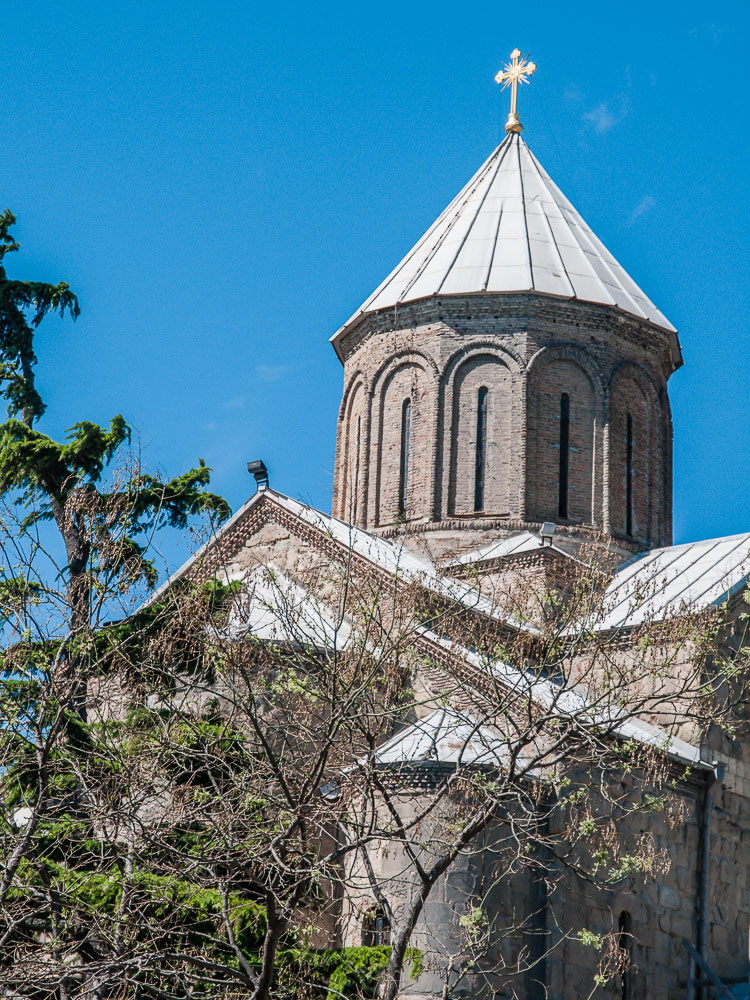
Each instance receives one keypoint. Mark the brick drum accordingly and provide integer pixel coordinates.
(526, 351)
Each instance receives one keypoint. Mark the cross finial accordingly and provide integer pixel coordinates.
(515, 72)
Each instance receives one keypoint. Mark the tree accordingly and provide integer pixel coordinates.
(50, 612)
(100, 528)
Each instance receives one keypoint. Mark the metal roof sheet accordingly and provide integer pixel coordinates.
(518, 544)
(445, 737)
(511, 229)
(677, 579)
(274, 608)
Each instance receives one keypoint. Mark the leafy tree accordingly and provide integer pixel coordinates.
(139, 847)
(102, 528)
(105, 523)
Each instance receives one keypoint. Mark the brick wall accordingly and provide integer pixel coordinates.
(527, 350)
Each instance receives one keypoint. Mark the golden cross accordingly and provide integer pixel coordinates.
(515, 72)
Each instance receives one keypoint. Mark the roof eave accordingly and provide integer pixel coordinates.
(356, 318)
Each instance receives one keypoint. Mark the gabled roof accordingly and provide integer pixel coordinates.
(389, 555)
(516, 545)
(446, 736)
(678, 579)
(511, 229)
(314, 624)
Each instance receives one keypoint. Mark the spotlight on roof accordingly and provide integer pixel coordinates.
(547, 532)
(259, 472)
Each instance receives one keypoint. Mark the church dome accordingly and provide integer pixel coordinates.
(511, 229)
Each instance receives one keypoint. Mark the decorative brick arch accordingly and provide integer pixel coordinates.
(397, 359)
(665, 524)
(571, 352)
(554, 372)
(640, 374)
(446, 443)
(352, 436)
(510, 358)
(480, 366)
(385, 434)
(357, 378)
(652, 451)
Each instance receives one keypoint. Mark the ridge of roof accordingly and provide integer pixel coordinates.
(511, 229)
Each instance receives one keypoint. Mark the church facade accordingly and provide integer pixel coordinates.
(505, 406)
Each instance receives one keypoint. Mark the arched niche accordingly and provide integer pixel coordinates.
(352, 459)
(635, 486)
(480, 437)
(562, 417)
(404, 451)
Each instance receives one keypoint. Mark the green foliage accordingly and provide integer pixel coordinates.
(60, 479)
(23, 306)
(473, 923)
(188, 918)
(354, 972)
(589, 939)
(182, 914)
(32, 462)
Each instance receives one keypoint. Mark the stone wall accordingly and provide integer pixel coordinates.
(659, 909)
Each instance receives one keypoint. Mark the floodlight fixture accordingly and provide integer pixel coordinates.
(547, 532)
(259, 472)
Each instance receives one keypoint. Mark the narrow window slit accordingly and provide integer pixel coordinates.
(625, 949)
(480, 463)
(403, 489)
(629, 478)
(562, 497)
(355, 484)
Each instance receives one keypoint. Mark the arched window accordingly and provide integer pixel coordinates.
(625, 956)
(375, 928)
(481, 457)
(562, 489)
(355, 483)
(629, 477)
(403, 487)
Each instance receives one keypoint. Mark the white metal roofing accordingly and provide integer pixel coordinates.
(524, 541)
(511, 229)
(676, 580)
(274, 608)
(448, 736)
(445, 737)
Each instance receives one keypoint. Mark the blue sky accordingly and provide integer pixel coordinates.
(224, 183)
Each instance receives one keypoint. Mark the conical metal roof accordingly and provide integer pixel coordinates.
(511, 229)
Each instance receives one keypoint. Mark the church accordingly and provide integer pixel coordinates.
(505, 409)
